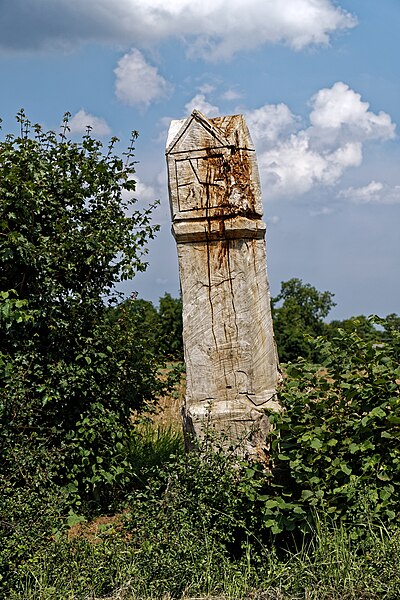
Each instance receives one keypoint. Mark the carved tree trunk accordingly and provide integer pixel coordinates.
(231, 362)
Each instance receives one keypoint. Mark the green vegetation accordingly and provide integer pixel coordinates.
(298, 312)
(96, 500)
(163, 325)
(337, 445)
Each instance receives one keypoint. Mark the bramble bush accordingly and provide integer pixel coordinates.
(336, 446)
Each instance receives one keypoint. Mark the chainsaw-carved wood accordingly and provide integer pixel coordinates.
(231, 362)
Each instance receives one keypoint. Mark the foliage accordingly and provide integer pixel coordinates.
(163, 326)
(362, 325)
(337, 442)
(175, 541)
(298, 312)
(29, 517)
(391, 324)
(170, 326)
(196, 516)
(36, 518)
(72, 366)
(149, 449)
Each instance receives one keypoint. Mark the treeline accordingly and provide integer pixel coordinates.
(164, 324)
(299, 314)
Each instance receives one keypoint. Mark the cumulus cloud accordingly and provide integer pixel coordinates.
(80, 122)
(138, 82)
(269, 122)
(373, 193)
(292, 160)
(213, 29)
(144, 192)
(200, 103)
(340, 108)
(293, 167)
(206, 88)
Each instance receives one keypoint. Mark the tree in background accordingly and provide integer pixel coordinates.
(298, 312)
(391, 327)
(170, 326)
(162, 326)
(72, 367)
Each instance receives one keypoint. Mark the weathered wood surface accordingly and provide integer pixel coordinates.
(231, 362)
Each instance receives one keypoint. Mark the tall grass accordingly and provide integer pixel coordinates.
(151, 446)
(329, 567)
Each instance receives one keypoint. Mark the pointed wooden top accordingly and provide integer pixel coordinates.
(197, 132)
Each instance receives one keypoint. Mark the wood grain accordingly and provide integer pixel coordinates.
(231, 363)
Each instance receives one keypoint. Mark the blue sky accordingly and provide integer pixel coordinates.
(317, 80)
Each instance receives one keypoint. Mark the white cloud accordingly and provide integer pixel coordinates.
(230, 95)
(340, 108)
(293, 161)
(138, 82)
(293, 167)
(269, 122)
(217, 29)
(374, 192)
(364, 193)
(82, 120)
(206, 88)
(144, 192)
(213, 29)
(200, 103)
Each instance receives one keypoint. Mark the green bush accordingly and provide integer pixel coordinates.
(197, 530)
(75, 361)
(337, 444)
(73, 364)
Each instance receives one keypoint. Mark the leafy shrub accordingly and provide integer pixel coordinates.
(163, 325)
(74, 361)
(337, 444)
(197, 530)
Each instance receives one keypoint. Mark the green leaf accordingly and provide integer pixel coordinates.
(272, 503)
(384, 476)
(316, 444)
(353, 447)
(377, 412)
(283, 456)
(74, 519)
(307, 494)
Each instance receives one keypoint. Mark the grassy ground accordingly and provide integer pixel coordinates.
(174, 542)
(333, 569)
